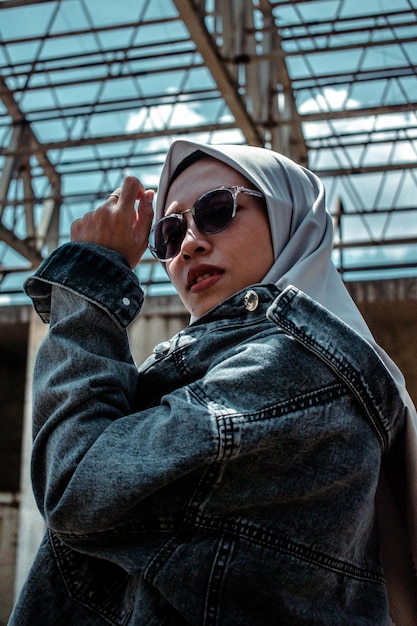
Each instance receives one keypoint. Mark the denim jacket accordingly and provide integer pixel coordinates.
(230, 480)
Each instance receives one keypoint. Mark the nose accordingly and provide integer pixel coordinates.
(194, 242)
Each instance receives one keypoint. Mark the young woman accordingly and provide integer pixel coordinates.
(244, 473)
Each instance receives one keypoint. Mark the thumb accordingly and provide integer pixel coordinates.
(143, 223)
(145, 210)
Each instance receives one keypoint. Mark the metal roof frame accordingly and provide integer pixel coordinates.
(87, 94)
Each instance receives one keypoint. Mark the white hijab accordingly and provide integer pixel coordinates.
(302, 236)
(301, 227)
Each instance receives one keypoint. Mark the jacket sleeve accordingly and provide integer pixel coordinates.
(95, 458)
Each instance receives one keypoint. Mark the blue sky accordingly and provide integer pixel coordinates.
(109, 68)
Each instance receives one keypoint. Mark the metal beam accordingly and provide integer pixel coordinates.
(360, 112)
(247, 46)
(21, 246)
(288, 140)
(103, 139)
(365, 169)
(242, 58)
(188, 12)
(17, 165)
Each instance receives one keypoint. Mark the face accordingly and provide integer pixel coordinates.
(210, 268)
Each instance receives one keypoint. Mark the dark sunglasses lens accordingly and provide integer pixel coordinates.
(214, 211)
(167, 237)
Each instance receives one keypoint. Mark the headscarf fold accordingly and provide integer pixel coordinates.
(301, 227)
(302, 237)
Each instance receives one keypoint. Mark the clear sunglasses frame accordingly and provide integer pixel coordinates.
(234, 192)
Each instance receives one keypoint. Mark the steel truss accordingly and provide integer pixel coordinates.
(87, 95)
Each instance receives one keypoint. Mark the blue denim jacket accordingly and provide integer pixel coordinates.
(230, 480)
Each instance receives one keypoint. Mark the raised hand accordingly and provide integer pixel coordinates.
(118, 223)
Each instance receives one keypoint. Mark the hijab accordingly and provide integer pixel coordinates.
(302, 237)
(301, 227)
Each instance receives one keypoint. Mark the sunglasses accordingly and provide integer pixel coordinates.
(212, 213)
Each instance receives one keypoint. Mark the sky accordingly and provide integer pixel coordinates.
(156, 72)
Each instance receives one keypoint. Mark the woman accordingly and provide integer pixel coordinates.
(232, 478)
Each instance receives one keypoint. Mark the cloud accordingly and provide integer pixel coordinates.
(329, 100)
(160, 116)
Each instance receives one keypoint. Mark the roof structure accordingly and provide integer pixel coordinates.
(91, 90)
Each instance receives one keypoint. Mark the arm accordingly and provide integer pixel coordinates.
(96, 460)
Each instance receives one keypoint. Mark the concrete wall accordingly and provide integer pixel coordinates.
(160, 318)
(14, 327)
(390, 310)
(9, 518)
(30, 527)
(389, 307)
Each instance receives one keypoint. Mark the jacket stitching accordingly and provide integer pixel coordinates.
(297, 403)
(260, 536)
(215, 582)
(351, 378)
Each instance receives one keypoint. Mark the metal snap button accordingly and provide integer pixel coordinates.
(251, 300)
(162, 348)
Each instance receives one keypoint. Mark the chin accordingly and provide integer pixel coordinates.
(199, 311)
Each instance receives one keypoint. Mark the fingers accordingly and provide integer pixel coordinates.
(126, 195)
(143, 223)
(116, 224)
(76, 229)
(115, 195)
(145, 209)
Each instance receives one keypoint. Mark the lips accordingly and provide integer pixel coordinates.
(201, 273)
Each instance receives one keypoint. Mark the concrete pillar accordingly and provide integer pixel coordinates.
(8, 535)
(31, 527)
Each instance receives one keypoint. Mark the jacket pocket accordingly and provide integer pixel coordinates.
(99, 585)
